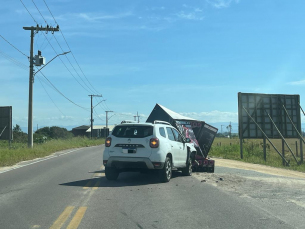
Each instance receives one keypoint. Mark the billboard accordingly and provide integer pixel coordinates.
(260, 106)
(6, 132)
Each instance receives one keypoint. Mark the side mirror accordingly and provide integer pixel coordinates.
(187, 140)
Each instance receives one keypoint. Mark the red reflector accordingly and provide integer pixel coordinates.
(211, 162)
(158, 164)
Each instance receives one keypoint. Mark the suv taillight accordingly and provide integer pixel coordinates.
(108, 142)
(154, 143)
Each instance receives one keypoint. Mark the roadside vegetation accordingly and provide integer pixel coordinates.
(47, 140)
(253, 151)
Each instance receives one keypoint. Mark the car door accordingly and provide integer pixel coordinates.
(181, 148)
(175, 150)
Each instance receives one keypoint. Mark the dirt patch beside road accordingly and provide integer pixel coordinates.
(277, 192)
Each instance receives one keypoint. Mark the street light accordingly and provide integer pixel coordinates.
(51, 61)
(31, 81)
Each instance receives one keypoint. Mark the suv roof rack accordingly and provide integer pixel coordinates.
(128, 121)
(161, 122)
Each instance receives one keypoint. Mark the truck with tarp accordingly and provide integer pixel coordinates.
(199, 132)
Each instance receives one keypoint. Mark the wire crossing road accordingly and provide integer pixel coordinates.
(71, 191)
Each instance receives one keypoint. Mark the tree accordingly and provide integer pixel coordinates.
(54, 132)
(19, 135)
(17, 129)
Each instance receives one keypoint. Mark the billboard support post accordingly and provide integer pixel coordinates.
(283, 151)
(10, 130)
(241, 147)
(283, 141)
(301, 149)
(264, 145)
(265, 135)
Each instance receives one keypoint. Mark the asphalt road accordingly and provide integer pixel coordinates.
(70, 191)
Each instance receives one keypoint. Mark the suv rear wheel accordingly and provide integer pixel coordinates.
(111, 173)
(187, 171)
(166, 172)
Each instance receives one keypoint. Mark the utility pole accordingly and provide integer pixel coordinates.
(92, 120)
(137, 116)
(221, 127)
(229, 127)
(31, 78)
(107, 119)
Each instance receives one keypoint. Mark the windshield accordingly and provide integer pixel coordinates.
(132, 131)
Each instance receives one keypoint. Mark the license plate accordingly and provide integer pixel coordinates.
(129, 150)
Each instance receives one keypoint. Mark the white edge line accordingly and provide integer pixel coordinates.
(43, 159)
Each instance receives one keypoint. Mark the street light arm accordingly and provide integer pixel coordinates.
(99, 102)
(111, 116)
(51, 61)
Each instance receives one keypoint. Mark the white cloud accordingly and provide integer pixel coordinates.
(190, 16)
(213, 116)
(97, 17)
(221, 3)
(300, 82)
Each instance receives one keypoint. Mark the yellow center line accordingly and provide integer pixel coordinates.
(77, 218)
(62, 218)
(87, 185)
(96, 185)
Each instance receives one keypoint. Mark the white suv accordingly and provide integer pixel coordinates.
(146, 146)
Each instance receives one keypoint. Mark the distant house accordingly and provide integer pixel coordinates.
(80, 130)
(98, 131)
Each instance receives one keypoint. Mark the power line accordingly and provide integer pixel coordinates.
(50, 11)
(50, 96)
(53, 47)
(98, 115)
(59, 43)
(16, 62)
(28, 12)
(39, 12)
(61, 92)
(13, 46)
(70, 49)
(72, 65)
(65, 64)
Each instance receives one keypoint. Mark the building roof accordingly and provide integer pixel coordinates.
(83, 127)
(98, 127)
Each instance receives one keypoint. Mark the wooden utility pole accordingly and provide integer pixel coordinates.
(31, 78)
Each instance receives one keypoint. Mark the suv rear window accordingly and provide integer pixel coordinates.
(132, 131)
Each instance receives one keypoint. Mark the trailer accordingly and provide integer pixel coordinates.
(199, 132)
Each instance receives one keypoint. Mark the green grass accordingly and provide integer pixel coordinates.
(253, 152)
(20, 152)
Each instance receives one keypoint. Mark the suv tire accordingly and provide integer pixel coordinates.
(165, 174)
(111, 173)
(187, 171)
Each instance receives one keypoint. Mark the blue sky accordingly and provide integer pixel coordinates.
(190, 56)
